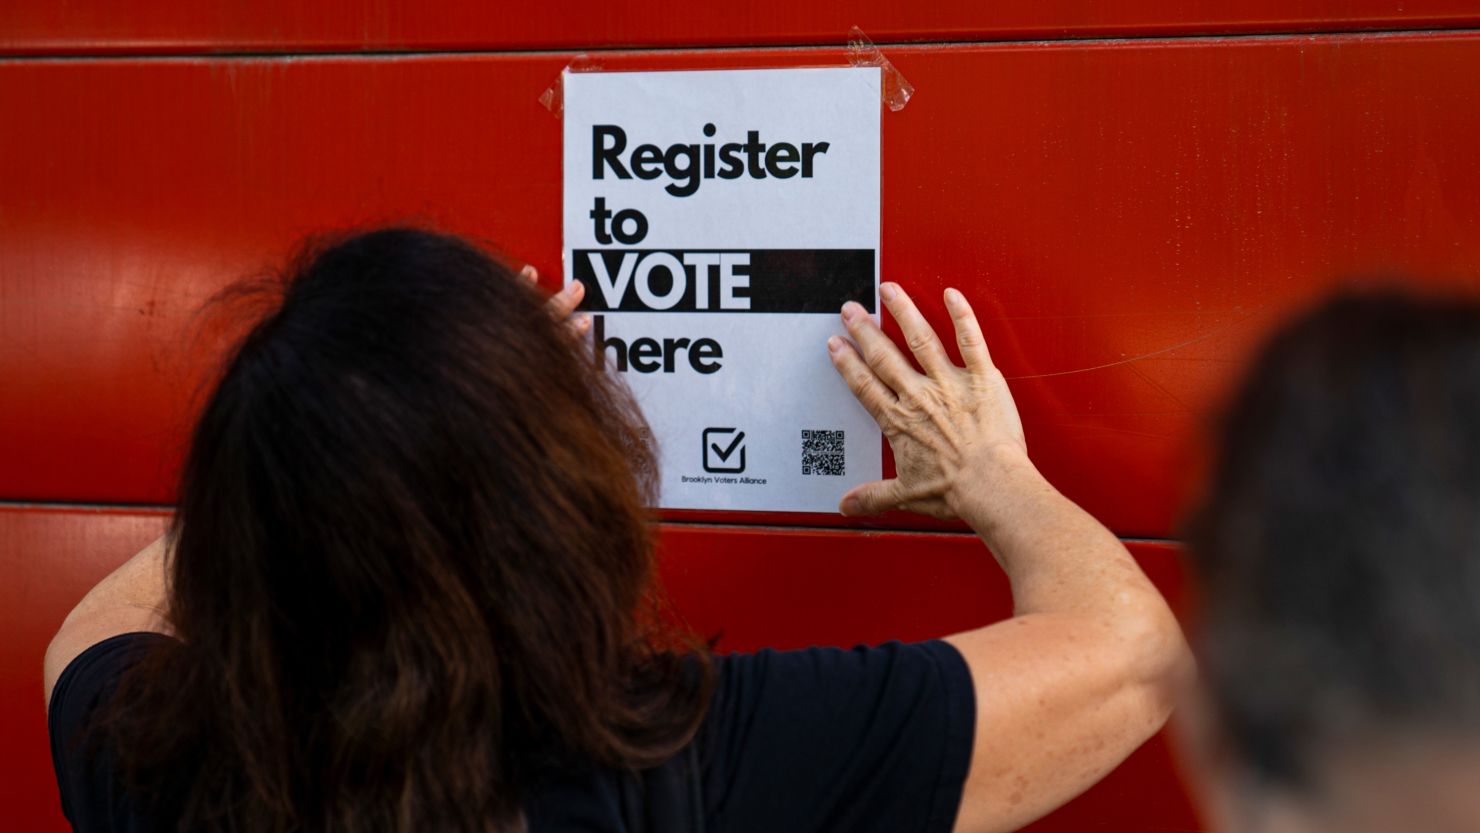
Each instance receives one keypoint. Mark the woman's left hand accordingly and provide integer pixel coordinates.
(562, 304)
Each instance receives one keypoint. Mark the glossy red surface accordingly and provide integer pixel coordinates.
(752, 587)
(1129, 217)
(182, 26)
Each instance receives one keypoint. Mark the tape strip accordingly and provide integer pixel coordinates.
(895, 90)
(553, 98)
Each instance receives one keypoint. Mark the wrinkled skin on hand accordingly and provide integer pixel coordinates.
(945, 426)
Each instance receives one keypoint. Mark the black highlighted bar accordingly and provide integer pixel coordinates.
(758, 280)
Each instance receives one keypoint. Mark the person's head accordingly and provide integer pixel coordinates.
(1337, 558)
(411, 563)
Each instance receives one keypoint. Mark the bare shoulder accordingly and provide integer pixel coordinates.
(75, 637)
(131, 598)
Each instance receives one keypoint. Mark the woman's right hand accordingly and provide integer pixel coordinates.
(953, 430)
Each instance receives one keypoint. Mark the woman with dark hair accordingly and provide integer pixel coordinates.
(1337, 557)
(409, 587)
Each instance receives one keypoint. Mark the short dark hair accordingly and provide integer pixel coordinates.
(1337, 550)
(412, 563)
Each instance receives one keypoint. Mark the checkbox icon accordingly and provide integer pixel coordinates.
(724, 450)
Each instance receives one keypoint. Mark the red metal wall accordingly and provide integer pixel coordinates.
(1130, 213)
(287, 26)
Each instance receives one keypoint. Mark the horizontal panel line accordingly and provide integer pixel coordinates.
(874, 530)
(19, 503)
(125, 53)
(715, 525)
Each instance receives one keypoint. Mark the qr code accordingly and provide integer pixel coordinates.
(822, 452)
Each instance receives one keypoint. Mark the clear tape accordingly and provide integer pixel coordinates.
(894, 90)
(553, 98)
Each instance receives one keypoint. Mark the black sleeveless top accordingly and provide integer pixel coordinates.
(868, 739)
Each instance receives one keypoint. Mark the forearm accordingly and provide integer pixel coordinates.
(1066, 569)
(1057, 556)
(1085, 670)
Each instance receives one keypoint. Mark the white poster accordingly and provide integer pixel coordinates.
(719, 220)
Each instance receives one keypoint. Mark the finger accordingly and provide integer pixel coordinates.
(578, 325)
(882, 356)
(564, 302)
(918, 334)
(866, 387)
(529, 273)
(968, 332)
(872, 498)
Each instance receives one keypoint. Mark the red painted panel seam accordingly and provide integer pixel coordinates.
(129, 53)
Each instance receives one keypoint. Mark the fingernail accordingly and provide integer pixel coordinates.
(851, 506)
(888, 291)
(575, 287)
(530, 273)
(583, 324)
(954, 297)
(834, 344)
(852, 310)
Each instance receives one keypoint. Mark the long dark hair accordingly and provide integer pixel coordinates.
(411, 567)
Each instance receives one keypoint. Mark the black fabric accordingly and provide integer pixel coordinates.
(669, 799)
(92, 798)
(868, 740)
